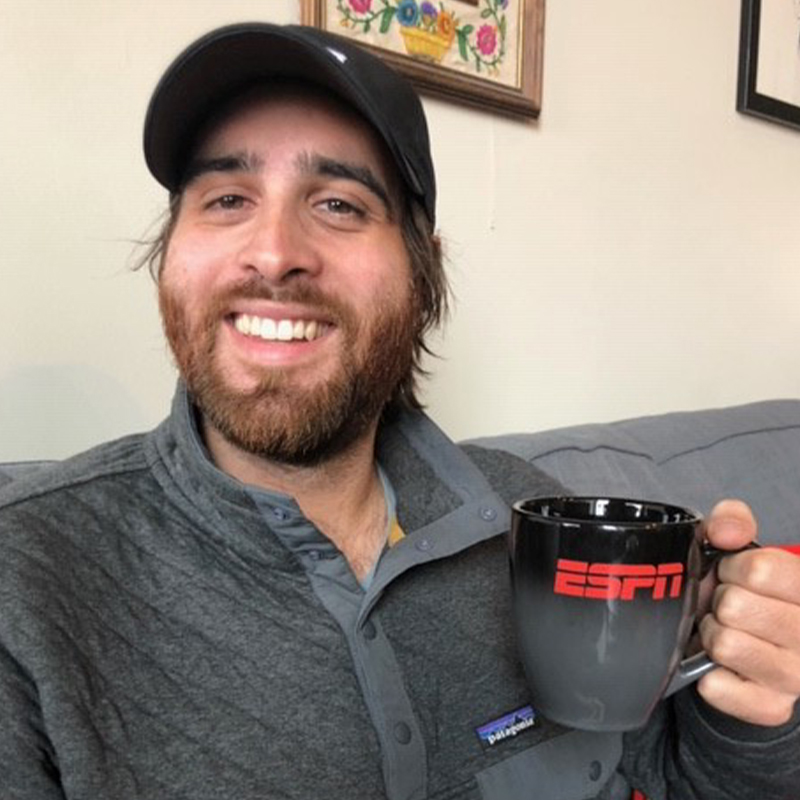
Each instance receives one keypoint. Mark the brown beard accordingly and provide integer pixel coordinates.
(276, 420)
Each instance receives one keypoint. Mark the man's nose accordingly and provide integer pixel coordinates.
(278, 247)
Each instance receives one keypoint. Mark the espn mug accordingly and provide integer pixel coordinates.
(604, 595)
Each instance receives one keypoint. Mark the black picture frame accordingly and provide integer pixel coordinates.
(748, 99)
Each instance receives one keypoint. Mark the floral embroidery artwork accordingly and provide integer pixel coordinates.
(477, 38)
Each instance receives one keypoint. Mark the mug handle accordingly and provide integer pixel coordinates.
(693, 668)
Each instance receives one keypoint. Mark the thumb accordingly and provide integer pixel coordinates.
(731, 525)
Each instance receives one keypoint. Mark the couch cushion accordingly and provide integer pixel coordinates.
(692, 458)
(12, 470)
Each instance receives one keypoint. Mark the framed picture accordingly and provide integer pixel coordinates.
(483, 53)
(769, 60)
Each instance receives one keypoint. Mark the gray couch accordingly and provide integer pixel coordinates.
(691, 458)
(10, 470)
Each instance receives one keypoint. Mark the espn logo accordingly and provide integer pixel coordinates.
(618, 581)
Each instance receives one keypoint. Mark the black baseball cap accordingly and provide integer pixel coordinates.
(228, 60)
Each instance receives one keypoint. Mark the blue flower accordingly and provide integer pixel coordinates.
(408, 13)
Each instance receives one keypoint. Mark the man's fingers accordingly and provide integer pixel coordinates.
(751, 658)
(766, 571)
(746, 700)
(764, 617)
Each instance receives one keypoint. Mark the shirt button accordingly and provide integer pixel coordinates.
(487, 513)
(313, 555)
(370, 632)
(424, 545)
(595, 770)
(402, 733)
(280, 514)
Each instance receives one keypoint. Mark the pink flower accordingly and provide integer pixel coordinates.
(360, 6)
(487, 39)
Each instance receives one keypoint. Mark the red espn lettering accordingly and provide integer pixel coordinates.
(617, 581)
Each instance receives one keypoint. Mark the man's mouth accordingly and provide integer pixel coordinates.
(280, 330)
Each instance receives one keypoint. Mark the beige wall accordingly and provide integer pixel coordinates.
(635, 251)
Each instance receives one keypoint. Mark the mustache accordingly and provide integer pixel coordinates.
(299, 292)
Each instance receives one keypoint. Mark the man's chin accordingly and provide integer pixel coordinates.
(283, 423)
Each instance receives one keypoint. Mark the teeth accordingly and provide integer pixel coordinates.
(267, 330)
(284, 330)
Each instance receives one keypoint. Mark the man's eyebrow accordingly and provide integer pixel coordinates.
(235, 162)
(322, 165)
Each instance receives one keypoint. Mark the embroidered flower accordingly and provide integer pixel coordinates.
(446, 25)
(487, 39)
(408, 13)
(361, 6)
(429, 10)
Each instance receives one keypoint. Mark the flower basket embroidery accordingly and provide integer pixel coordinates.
(425, 45)
(428, 32)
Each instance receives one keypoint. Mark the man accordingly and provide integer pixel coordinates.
(296, 586)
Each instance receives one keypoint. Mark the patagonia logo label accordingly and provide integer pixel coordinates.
(507, 727)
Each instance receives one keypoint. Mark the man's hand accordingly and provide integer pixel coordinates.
(752, 629)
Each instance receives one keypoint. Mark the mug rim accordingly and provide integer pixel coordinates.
(676, 514)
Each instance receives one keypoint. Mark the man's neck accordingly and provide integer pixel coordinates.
(343, 496)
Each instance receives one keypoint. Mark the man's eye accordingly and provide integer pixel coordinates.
(228, 202)
(342, 208)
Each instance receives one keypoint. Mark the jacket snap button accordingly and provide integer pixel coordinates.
(487, 513)
(402, 733)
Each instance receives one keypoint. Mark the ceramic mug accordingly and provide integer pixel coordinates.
(605, 595)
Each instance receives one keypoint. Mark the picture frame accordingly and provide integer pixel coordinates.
(486, 54)
(769, 61)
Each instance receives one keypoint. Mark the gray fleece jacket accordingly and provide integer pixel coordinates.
(167, 632)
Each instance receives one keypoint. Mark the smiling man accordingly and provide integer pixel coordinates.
(286, 290)
(297, 586)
